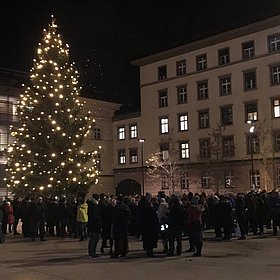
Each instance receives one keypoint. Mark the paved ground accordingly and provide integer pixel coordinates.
(254, 258)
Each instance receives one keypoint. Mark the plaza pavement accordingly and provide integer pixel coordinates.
(255, 258)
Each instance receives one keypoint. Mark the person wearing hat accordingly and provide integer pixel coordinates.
(195, 225)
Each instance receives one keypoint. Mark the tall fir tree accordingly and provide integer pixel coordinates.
(47, 156)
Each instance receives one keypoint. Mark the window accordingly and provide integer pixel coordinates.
(184, 181)
(203, 118)
(253, 144)
(255, 178)
(98, 161)
(202, 90)
(164, 150)
(133, 131)
(248, 50)
(4, 141)
(183, 122)
(276, 140)
(97, 133)
(121, 133)
(229, 177)
(228, 146)
(133, 156)
(182, 94)
(204, 148)
(185, 150)
(251, 111)
(164, 125)
(226, 115)
(250, 81)
(276, 107)
(274, 43)
(201, 62)
(163, 98)
(278, 177)
(205, 180)
(223, 56)
(225, 86)
(162, 72)
(121, 156)
(181, 67)
(275, 74)
(164, 182)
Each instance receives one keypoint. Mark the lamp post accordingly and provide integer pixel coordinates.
(142, 141)
(251, 130)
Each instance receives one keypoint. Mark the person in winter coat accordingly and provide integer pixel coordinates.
(93, 225)
(10, 218)
(121, 216)
(162, 215)
(17, 213)
(4, 210)
(240, 211)
(195, 225)
(82, 219)
(176, 223)
(150, 229)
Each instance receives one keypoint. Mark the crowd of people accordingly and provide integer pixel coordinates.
(149, 218)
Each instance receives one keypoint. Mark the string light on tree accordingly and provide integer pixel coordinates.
(52, 125)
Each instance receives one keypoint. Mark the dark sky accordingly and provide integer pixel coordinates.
(106, 35)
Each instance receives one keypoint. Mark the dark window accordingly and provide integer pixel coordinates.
(226, 115)
(181, 67)
(201, 62)
(276, 136)
(250, 81)
(97, 133)
(275, 75)
(204, 148)
(205, 180)
(182, 94)
(253, 144)
(225, 86)
(162, 72)
(202, 90)
(223, 56)
(251, 112)
(184, 182)
(164, 151)
(203, 117)
(248, 50)
(98, 161)
(229, 179)
(163, 99)
(274, 43)
(228, 146)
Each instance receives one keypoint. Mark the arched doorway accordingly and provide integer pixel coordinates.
(128, 187)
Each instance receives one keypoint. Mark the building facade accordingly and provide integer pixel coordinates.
(215, 101)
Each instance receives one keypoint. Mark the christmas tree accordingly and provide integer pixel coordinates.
(48, 157)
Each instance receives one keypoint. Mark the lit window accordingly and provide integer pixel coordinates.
(164, 125)
(133, 156)
(276, 108)
(121, 157)
(121, 133)
(133, 131)
(185, 150)
(183, 122)
(251, 111)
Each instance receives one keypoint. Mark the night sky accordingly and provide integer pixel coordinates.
(106, 35)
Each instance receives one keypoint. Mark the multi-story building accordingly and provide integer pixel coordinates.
(217, 101)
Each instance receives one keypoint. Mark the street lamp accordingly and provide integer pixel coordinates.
(252, 130)
(142, 141)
